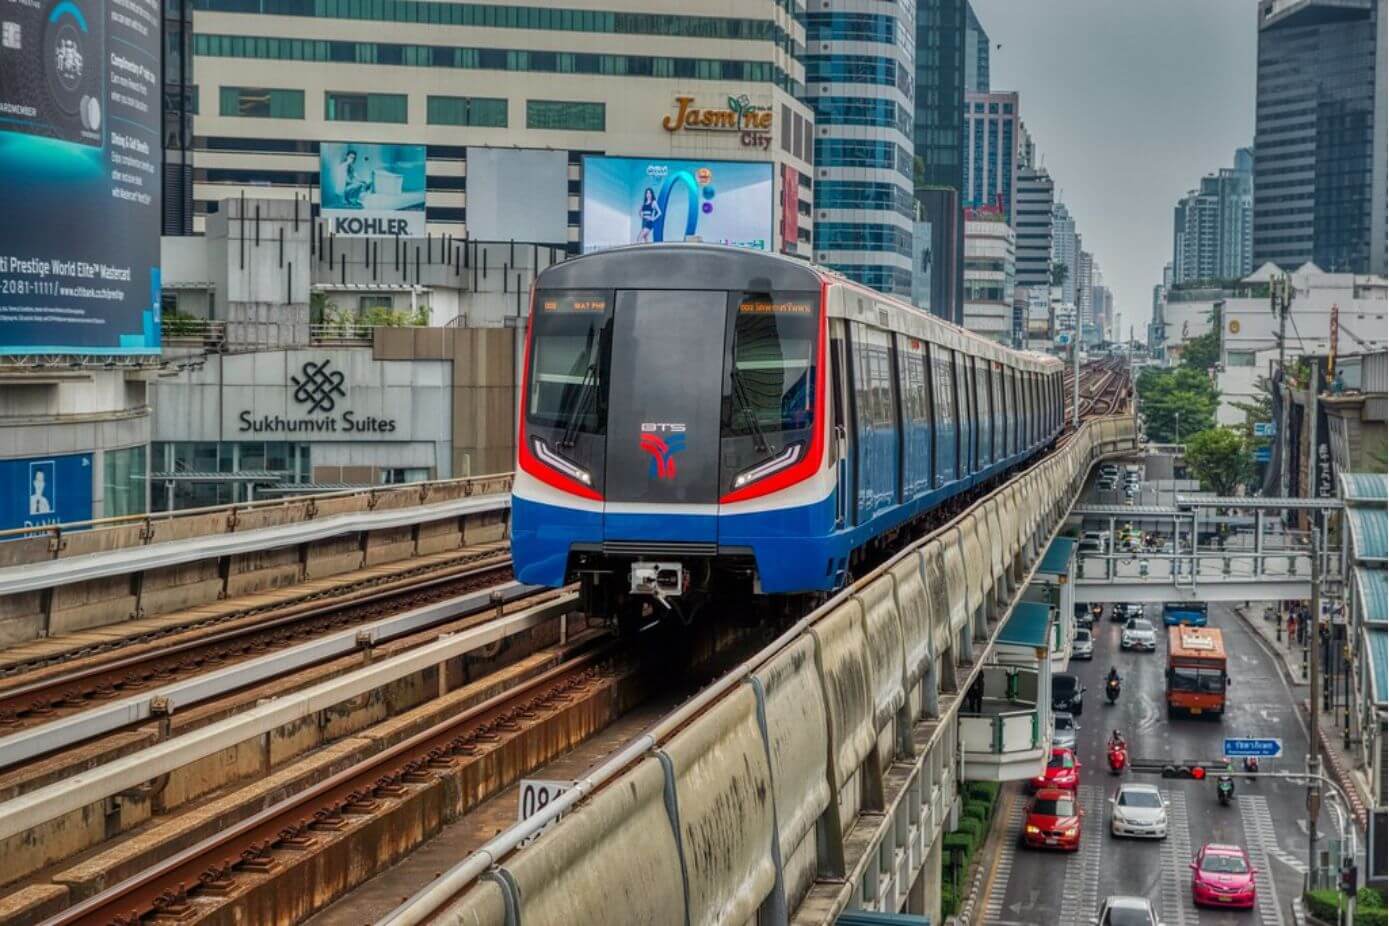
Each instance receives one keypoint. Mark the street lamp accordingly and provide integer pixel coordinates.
(1179, 428)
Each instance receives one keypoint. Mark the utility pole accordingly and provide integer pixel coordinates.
(1314, 639)
(1075, 378)
(1280, 297)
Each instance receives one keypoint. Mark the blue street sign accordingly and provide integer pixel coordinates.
(1263, 455)
(1265, 429)
(1238, 748)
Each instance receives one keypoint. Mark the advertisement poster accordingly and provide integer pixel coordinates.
(371, 189)
(80, 154)
(45, 490)
(641, 200)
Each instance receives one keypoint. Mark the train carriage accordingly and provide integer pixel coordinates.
(699, 419)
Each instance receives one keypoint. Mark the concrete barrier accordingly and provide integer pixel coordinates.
(483, 905)
(997, 557)
(938, 596)
(914, 609)
(841, 655)
(613, 860)
(955, 582)
(723, 796)
(793, 703)
(976, 563)
(883, 629)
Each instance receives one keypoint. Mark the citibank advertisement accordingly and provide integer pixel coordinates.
(45, 490)
(372, 189)
(80, 155)
(640, 201)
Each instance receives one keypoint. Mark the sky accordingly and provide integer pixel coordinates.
(1130, 103)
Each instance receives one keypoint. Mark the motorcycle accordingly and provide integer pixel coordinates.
(1111, 690)
(1225, 789)
(1118, 758)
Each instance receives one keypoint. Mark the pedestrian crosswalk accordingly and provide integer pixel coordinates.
(1259, 834)
(1174, 901)
(1003, 868)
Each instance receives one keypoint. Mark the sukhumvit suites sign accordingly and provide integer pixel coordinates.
(320, 393)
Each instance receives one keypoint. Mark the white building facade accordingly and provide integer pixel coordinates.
(989, 278)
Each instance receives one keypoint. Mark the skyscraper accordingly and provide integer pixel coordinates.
(1212, 225)
(976, 54)
(937, 131)
(859, 80)
(1032, 223)
(1063, 248)
(991, 151)
(1319, 135)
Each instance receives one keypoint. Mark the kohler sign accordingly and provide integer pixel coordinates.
(320, 392)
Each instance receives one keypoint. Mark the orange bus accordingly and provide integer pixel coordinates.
(1196, 676)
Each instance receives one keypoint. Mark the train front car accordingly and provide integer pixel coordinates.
(672, 437)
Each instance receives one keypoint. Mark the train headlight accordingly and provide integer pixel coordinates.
(555, 461)
(777, 463)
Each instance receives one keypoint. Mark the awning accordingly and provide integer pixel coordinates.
(1364, 488)
(1369, 534)
(1374, 597)
(1056, 561)
(1027, 625)
(1376, 659)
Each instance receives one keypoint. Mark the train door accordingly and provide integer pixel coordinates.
(845, 434)
(875, 405)
(664, 413)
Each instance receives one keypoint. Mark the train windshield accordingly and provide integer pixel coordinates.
(771, 383)
(569, 359)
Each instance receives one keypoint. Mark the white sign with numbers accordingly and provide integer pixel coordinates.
(536, 795)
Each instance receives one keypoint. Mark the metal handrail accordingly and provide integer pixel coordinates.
(148, 519)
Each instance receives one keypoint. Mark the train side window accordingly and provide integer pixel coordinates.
(984, 411)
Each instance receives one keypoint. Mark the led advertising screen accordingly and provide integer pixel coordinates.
(371, 189)
(639, 200)
(45, 490)
(80, 157)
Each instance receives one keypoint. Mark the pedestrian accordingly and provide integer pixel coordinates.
(1292, 629)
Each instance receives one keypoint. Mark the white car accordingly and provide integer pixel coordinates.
(1138, 634)
(1138, 810)
(1083, 647)
(1126, 911)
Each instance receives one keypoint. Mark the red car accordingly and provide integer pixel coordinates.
(1062, 771)
(1221, 876)
(1053, 820)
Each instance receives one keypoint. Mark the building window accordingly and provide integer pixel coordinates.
(366, 107)
(480, 112)
(399, 475)
(262, 103)
(123, 482)
(561, 114)
(1239, 358)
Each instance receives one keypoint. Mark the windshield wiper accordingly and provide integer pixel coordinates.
(587, 389)
(740, 395)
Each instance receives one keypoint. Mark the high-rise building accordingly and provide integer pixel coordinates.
(1064, 248)
(991, 151)
(180, 100)
(1085, 310)
(976, 54)
(859, 79)
(937, 131)
(1027, 150)
(989, 275)
(1319, 135)
(1212, 225)
(944, 282)
(1032, 224)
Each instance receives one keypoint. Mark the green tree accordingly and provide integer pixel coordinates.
(1221, 458)
(1203, 351)
(1176, 403)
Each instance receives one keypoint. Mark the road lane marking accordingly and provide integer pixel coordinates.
(1080, 892)
(1003, 865)
(1173, 857)
(1258, 830)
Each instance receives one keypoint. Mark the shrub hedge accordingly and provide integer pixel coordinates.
(1369, 906)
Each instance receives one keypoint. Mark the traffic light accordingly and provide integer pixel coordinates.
(1195, 771)
(1349, 879)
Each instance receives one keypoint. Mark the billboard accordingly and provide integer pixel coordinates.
(80, 154)
(639, 200)
(45, 490)
(516, 194)
(367, 189)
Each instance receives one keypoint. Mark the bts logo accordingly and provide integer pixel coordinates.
(662, 450)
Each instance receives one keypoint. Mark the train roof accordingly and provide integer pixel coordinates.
(692, 265)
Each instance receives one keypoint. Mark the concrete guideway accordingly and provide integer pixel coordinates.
(48, 803)
(847, 722)
(15, 580)
(113, 715)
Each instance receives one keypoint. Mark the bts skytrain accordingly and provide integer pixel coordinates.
(699, 420)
